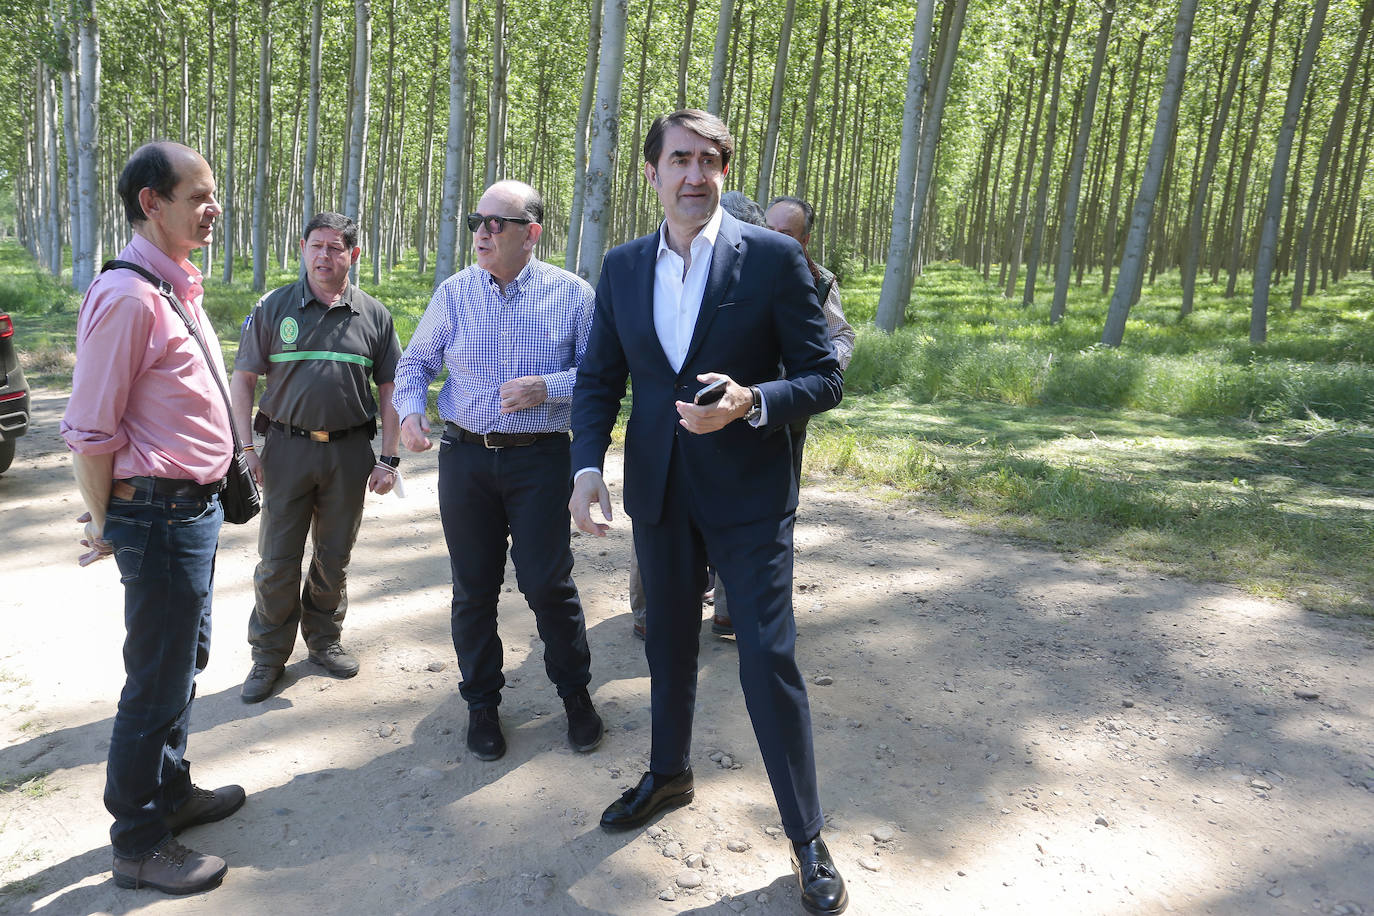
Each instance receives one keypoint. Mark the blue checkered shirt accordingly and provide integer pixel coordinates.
(538, 327)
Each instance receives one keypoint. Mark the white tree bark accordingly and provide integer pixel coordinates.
(892, 298)
(605, 128)
(455, 147)
(357, 141)
(584, 110)
(312, 117)
(226, 222)
(719, 57)
(496, 96)
(1133, 261)
(88, 128)
(1283, 150)
(260, 245)
(770, 137)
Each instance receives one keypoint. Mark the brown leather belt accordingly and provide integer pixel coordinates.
(497, 440)
(319, 435)
(164, 487)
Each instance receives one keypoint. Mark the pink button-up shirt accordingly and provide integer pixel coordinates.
(142, 388)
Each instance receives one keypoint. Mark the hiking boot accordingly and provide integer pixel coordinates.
(584, 725)
(172, 869)
(335, 660)
(484, 734)
(205, 807)
(258, 685)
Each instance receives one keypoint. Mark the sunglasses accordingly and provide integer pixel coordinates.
(495, 223)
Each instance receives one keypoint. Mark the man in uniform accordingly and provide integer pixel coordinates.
(321, 342)
(149, 430)
(512, 331)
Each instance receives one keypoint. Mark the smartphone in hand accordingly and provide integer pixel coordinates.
(711, 393)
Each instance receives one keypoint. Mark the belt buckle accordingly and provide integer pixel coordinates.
(319, 435)
(486, 444)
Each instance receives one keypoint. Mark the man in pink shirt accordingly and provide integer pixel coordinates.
(149, 432)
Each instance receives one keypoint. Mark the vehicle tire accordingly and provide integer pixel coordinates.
(6, 454)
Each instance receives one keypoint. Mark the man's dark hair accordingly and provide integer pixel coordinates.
(336, 221)
(702, 123)
(148, 167)
(807, 210)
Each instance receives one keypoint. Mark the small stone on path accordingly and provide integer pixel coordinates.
(883, 833)
(1303, 693)
(689, 879)
(386, 730)
(737, 846)
(824, 680)
(870, 863)
(436, 666)
(1101, 821)
(667, 894)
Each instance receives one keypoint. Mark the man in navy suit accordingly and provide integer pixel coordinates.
(708, 299)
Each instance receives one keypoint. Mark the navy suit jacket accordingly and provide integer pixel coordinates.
(759, 316)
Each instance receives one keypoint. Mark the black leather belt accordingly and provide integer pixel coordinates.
(497, 440)
(166, 488)
(319, 435)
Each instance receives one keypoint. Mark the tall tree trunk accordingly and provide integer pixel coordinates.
(357, 139)
(1334, 132)
(1264, 259)
(804, 162)
(312, 117)
(584, 110)
(230, 115)
(1023, 211)
(70, 75)
(1247, 157)
(1114, 207)
(605, 131)
(88, 128)
(496, 99)
(1042, 190)
(770, 137)
(684, 56)
(1209, 161)
(423, 210)
(264, 146)
(1132, 264)
(384, 156)
(892, 299)
(1345, 239)
(632, 169)
(714, 93)
(455, 144)
(1069, 222)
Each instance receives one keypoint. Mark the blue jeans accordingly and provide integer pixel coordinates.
(486, 495)
(165, 550)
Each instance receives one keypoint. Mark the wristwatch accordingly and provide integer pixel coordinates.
(391, 460)
(757, 408)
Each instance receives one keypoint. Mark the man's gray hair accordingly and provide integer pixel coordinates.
(742, 208)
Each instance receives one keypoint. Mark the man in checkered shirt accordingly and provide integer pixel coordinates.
(511, 331)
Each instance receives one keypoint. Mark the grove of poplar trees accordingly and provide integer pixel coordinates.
(1043, 143)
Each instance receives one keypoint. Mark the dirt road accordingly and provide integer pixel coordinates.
(998, 729)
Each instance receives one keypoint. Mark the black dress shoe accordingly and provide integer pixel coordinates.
(653, 794)
(484, 734)
(585, 729)
(822, 888)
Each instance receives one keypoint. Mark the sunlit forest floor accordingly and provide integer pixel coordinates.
(1187, 449)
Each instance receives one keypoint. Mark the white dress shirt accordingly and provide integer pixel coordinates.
(679, 287)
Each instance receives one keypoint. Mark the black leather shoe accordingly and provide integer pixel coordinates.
(653, 794)
(584, 725)
(205, 807)
(822, 888)
(484, 734)
(334, 659)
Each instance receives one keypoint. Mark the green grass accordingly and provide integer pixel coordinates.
(30, 786)
(1186, 449)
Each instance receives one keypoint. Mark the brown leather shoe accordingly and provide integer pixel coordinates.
(205, 807)
(722, 626)
(172, 869)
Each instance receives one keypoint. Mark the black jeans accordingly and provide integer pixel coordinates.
(484, 495)
(165, 549)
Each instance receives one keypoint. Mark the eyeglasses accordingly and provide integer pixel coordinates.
(495, 223)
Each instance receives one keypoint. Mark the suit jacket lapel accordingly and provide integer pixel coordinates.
(640, 318)
(725, 267)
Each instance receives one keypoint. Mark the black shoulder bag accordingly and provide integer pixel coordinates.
(240, 496)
